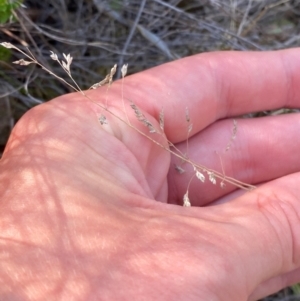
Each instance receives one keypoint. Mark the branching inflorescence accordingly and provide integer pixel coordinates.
(201, 172)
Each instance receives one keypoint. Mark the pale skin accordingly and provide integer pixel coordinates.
(94, 212)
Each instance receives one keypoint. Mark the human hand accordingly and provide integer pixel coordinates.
(88, 211)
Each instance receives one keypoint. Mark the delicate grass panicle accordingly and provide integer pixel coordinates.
(201, 172)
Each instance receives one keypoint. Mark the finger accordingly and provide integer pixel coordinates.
(213, 86)
(264, 149)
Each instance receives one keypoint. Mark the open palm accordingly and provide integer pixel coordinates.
(89, 211)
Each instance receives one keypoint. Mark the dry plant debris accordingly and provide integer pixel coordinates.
(95, 33)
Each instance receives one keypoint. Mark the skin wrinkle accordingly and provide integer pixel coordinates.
(246, 152)
(218, 83)
(115, 131)
(250, 164)
(224, 94)
(293, 237)
(289, 212)
(239, 152)
(267, 234)
(160, 191)
(269, 206)
(289, 83)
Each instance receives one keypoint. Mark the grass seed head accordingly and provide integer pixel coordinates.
(66, 65)
(212, 177)
(186, 200)
(200, 176)
(22, 62)
(7, 45)
(124, 70)
(162, 120)
(141, 117)
(179, 169)
(187, 115)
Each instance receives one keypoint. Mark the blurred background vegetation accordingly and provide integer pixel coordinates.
(142, 33)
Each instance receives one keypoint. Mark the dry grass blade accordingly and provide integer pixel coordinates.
(156, 41)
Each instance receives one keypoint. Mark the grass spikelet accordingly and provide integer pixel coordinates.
(162, 120)
(186, 200)
(189, 129)
(123, 73)
(22, 62)
(200, 176)
(141, 117)
(111, 74)
(102, 119)
(107, 80)
(8, 45)
(179, 169)
(187, 115)
(101, 83)
(233, 136)
(212, 177)
(124, 70)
